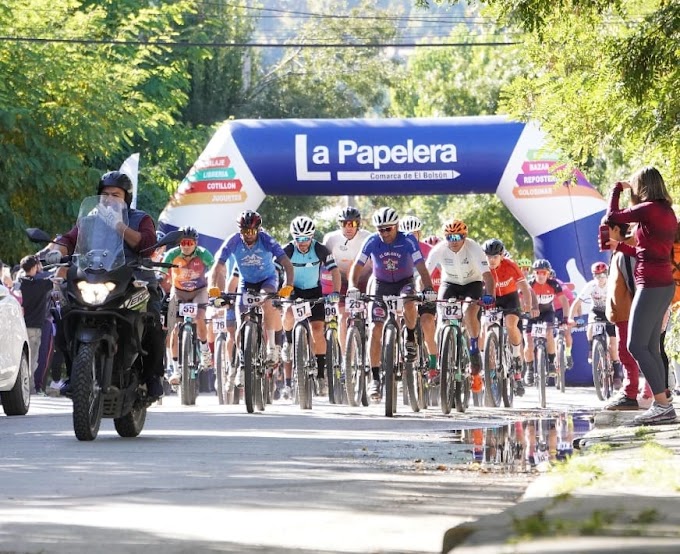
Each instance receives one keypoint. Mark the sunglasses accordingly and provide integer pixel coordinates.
(388, 229)
(187, 243)
(303, 239)
(353, 223)
(457, 237)
(541, 272)
(249, 232)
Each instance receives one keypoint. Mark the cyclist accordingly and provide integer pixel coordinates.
(189, 284)
(546, 289)
(308, 257)
(465, 274)
(557, 305)
(524, 265)
(345, 244)
(509, 280)
(254, 252)
(394, 256)
(595, 293)
(412, 225)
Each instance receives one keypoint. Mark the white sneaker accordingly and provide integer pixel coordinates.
(54, 389)
(273, 354)
(323, 386)
(206, 359)
(175, 379)
(656, 414)
(374, 389)
(286, 393)
(285, 353)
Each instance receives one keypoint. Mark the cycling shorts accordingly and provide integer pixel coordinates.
(318, 311)
(377, 309)
(177, 297)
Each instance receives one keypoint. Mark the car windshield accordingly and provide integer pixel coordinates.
(100, 245)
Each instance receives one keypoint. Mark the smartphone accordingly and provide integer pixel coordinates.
(603, 238)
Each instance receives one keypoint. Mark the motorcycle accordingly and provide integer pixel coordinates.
(104, 320)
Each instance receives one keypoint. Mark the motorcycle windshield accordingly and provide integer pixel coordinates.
(100, 244)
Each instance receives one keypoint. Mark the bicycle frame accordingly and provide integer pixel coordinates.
(499, 379)
(539, 333)
(453, 356)
(356, 363)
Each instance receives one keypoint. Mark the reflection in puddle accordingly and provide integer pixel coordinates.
(525, 445)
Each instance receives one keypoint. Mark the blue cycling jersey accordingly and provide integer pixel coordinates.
(255, 263)
(391, 262)
(307, 266)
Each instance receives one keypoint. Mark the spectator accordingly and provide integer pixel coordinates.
(35, 293)
(654, 234)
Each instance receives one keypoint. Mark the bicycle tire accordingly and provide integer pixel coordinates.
(463, 390)
(300, 363)
(493, 371)
(249, 355)
(560, 363)
(221, 368)
(599, 361)
(508, 390)
(336, 388)
(541, 373)
(421, 368)
(187, 387)
(354, 366)
(447, 361)
(389, 360)
(259, 380)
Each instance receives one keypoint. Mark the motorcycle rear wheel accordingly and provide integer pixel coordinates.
(132, 423)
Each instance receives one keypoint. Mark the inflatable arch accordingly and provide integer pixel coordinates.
(248, 159)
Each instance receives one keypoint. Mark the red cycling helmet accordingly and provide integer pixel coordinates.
(599, 267)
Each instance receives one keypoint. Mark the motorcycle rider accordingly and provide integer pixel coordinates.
(139, 234)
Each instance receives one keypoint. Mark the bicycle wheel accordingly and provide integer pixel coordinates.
(420, 369)
(301, 363)
(560, 363)
(447, 371)
(354, 366)
(541, 373)
(390, 359)
(336, 388)
(599, 363)
(508, 389)
(221, 367)
(493, 372)
(187, 388)
(259, 379)
(248, 357)
(463, 386)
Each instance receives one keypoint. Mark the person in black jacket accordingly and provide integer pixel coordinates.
(35, 293)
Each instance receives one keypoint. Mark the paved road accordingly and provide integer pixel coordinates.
(212, 478)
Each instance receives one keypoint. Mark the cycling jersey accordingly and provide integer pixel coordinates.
(391, 262)
(594, 294)
(307, 265)
(190, 275)
(545, 293)
(345, 251)
(458, 268)
(255, 263)
(506, 276)
(568, 292)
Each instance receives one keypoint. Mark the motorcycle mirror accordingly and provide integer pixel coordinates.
(172, 238)
(37, 235)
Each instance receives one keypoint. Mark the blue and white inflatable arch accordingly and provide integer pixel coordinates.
(248, 159)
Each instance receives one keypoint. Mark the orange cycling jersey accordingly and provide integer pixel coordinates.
(506, 275)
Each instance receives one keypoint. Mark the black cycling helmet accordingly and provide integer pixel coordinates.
(350, 213)
(493, 247)
(249, 219)
(542, 264)
(119, 180)
(189, 233)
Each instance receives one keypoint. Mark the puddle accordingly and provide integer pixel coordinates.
(524, 445)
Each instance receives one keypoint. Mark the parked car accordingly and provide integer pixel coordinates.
(15, 374)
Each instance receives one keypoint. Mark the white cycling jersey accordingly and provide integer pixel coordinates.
(594, 294)
(345, 251)
(458, 268)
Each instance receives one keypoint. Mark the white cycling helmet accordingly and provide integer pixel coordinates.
(410, 224)
(302, 226)
(385, 216)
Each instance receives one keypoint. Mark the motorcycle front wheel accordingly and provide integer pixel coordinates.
(86, 392)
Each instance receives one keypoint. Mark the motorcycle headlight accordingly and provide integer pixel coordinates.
(95, 293)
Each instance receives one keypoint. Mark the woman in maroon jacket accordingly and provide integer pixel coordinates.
(654, 233)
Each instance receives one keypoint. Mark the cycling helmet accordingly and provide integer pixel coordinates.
(432, 240)
(410, 224)
(493, 247)
(455, 227)
(385, 216)
(249, 219)
(542, 264)
(524, 262)
(598, 267)
(119, 180)
(302, 226)
(189, 233)
(350, 213)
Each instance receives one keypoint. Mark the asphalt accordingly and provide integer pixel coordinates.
(619, 493)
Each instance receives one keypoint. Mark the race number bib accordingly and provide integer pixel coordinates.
(395, 304)
(302, 310)
(188, 310)
(219, 321)
(354, 307)
(599, 328)
(250, 299)
(331, 312)
(493, 316)
(539, 330)
(452, 311)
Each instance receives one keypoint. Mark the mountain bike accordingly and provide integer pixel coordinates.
(225, 360)
(539, 333)
(603, 370)
(356, 363)
(498, 370)
(416, 390)
(454, 357)
(560, 359)
(189, 352)
(334, 371)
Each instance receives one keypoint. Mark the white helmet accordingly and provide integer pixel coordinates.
(385, 216)
(410, 224)
(302, 226)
